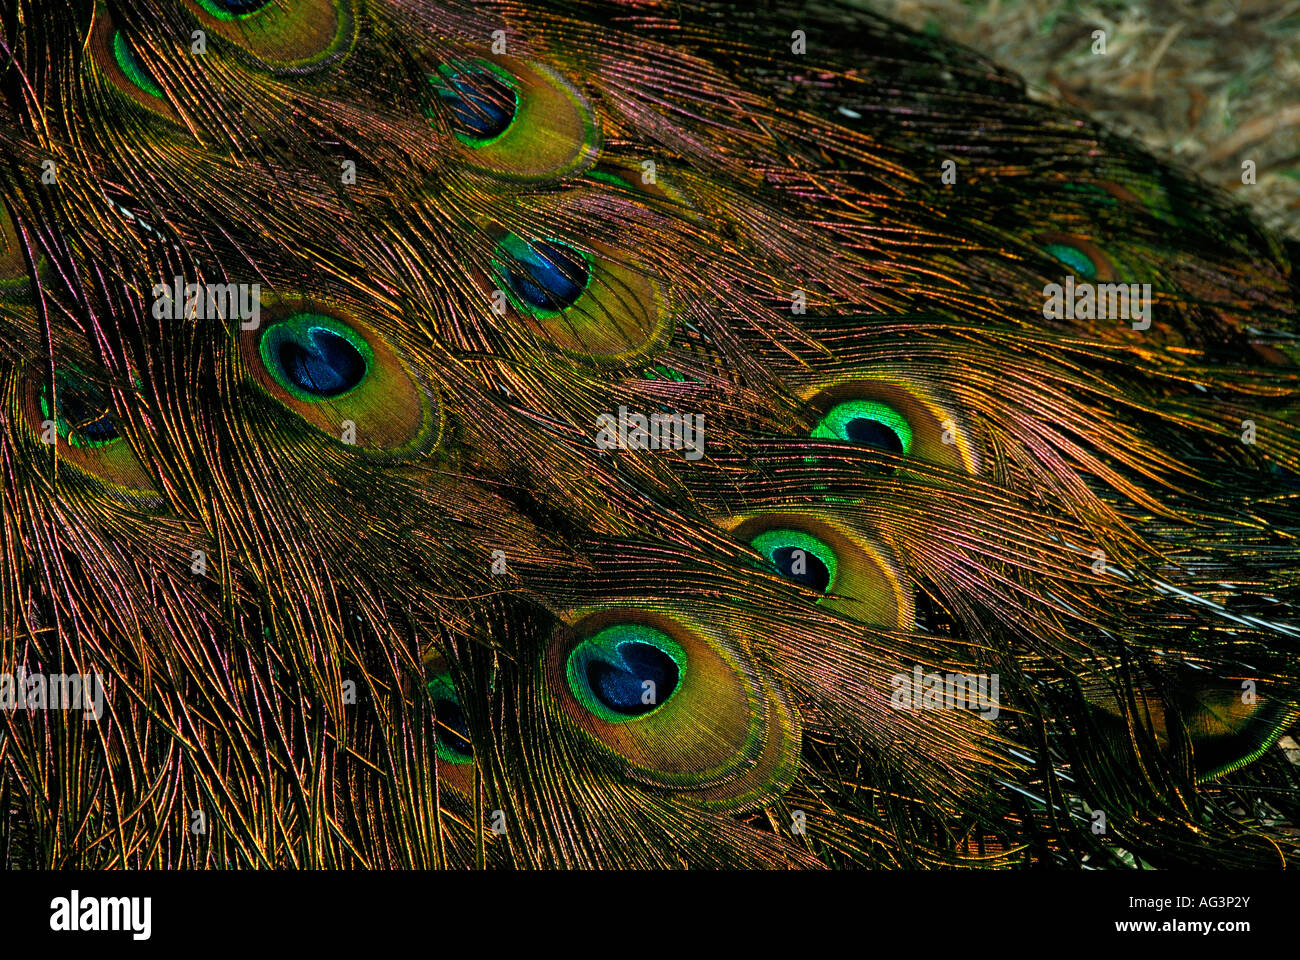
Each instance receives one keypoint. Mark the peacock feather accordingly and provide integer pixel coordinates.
(640, 434)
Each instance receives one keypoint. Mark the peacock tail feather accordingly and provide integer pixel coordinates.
(576, 434)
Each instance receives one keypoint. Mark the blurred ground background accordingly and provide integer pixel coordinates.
(1205, 84)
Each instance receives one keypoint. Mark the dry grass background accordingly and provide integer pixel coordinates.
(1206, 84)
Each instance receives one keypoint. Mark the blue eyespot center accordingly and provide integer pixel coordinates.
(798, 556)
(482, 104)
(620, 686)
(545, 275)
(313, 359)
(626, 671)
(802, 567)
(873, 433)
(84, 412)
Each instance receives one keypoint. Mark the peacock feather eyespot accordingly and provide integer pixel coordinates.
(624, 176)
(83, 430)
(1226, 733)
(233, 9)
(483, 100)
(119, 64)
(543, 277)
(1084, 258)
(315, 357)
(829, 556)
(626, 671)
(887, 410)
(799, 556)
(676, 704)
(516, 119)
(589, 302)
(332, 369)
(283, 36)
(131, 66)
(84, 416)
(1073, 258)
(869, 423)
(453, 738)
